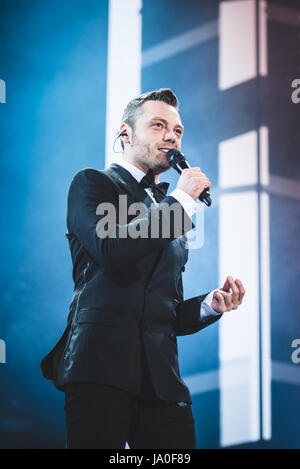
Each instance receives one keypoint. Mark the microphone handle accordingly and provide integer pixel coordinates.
(205, 195)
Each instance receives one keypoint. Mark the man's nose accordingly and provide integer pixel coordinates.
(169, 135)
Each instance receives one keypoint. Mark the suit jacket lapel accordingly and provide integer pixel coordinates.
(135, 193)
(131, 187)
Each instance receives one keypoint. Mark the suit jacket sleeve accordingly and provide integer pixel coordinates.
(188, 314)
(112, 247)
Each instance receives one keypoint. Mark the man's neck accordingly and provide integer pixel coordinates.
(142, 168)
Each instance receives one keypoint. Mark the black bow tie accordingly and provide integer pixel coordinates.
(159, 190)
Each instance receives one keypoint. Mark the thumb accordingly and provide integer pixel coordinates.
(218, 295)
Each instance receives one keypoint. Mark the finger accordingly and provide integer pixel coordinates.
(241, 288)
(226, 285)
(194, 171)
(204, 183)
(208, 184)
(235, 291)
(220, 300)
(201, 178)
(227, 299)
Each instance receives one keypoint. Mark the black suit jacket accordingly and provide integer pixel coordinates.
(128, 295)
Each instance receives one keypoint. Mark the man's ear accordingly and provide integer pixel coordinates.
(125, 134)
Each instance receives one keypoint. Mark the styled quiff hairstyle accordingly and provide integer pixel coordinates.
(133, 108)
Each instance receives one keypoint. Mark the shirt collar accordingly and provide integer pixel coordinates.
(137, 173)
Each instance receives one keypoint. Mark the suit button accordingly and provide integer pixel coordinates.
(149, 288)
(182, 404)
(172, 336)
(175, 301)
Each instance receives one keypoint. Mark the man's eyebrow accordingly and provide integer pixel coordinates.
(165, 122)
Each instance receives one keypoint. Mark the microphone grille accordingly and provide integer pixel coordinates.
(174, 157)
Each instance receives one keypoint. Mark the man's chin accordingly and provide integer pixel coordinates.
(162, 167)
(166, 164)
(163, 160)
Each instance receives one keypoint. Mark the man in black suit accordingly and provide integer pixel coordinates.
(117, 359)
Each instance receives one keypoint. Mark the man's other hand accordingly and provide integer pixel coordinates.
(228, 297)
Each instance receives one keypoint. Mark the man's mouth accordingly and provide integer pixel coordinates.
(164, 150)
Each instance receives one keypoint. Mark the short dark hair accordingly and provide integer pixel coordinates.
(133, 108)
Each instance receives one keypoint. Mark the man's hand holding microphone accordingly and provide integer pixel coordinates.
(193, 181)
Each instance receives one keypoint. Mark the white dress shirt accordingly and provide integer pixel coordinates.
(190, 206)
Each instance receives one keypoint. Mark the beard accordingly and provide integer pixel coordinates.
(147, 156)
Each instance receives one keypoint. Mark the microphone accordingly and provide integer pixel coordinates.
(178, 162)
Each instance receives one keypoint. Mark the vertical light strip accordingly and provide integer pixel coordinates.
(237, 42)
(264, 156)
(243, 54)
(263, 38)
(265, 285)
(239, 339)
(123, 66)
(237, 167)
(239, 330)
(265, 325)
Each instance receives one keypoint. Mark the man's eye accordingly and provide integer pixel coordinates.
(179, 131)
